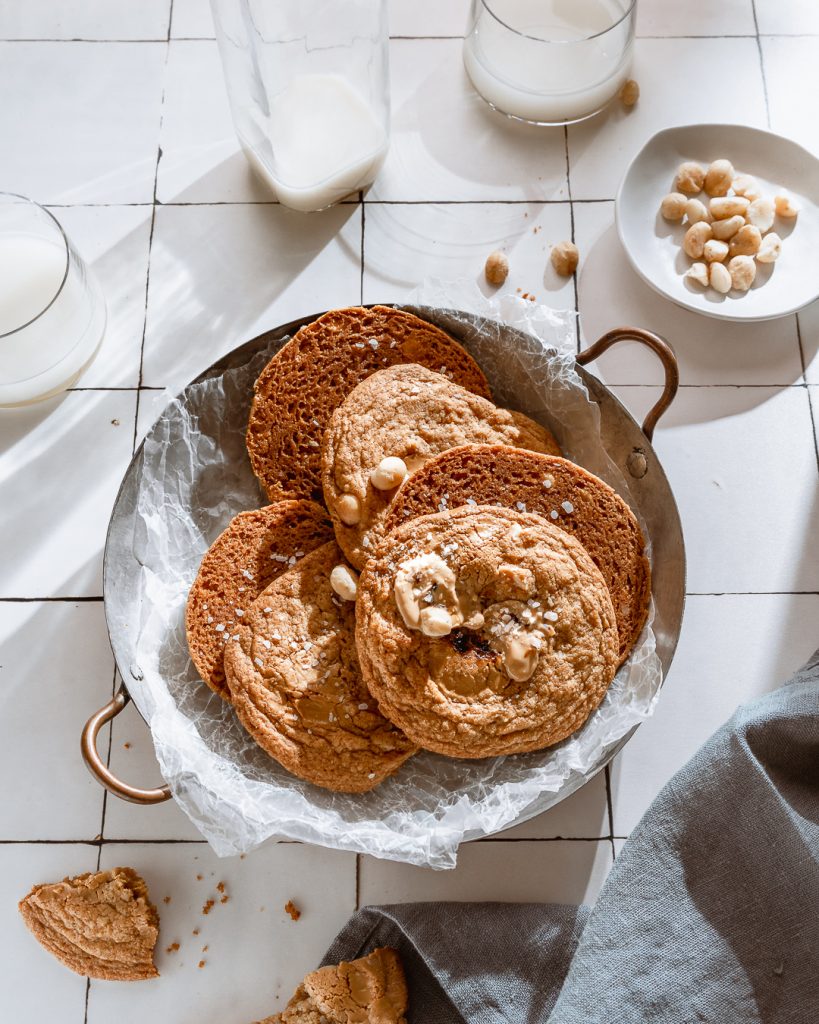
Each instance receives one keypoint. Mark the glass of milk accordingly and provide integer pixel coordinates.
(52, 312)
(549, 61)
(308, 84)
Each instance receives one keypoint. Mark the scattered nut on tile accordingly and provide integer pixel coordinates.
(496, 268)
(630, 93)
(565, 257)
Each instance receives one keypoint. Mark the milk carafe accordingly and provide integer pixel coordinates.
(308, 83)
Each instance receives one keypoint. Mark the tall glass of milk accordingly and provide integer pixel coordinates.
(52, 312)
(549, 61)
(308, 84)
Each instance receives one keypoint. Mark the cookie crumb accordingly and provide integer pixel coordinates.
(205, 948)
(220, 886)
(209, 905)
(201, 964)
(115, 423)
(224, 899)
(173, 948)
(166, 899)
(195, 931)
(291, 909)
(199, 878)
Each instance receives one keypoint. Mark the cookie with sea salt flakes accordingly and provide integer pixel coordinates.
(295, 682)
(297, 391)
(101, 925)
(570, 497)
(254, 549)
(484, 631)
(407, 415)
(370, 990)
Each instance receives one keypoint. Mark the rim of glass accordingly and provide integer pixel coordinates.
(61, 285)
(558, 42)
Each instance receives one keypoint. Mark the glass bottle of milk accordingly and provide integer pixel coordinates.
(308, 83)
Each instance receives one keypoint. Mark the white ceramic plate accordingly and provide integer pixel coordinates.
(653, 245)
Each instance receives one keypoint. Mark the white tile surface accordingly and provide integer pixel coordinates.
(68, 454)
(113, 240)
(405, 243)
(256, 955)
(743, 470)
(192, 19)
(55, 671)
(89, 127)
(202, 161)
(133, 760)
(583, 815)
(668, 71)
(428, 17)
(36, 987)
(809, 336)
(84, 19)
(788, 17)
(222, 274)
(560, 871)
(732, 649)
(792, 71)
(448, 145)
(697, 18)
(611, 294)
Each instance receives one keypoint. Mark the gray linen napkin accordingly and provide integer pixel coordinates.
(711, 912)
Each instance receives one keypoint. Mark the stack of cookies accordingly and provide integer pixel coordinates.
(430, 573)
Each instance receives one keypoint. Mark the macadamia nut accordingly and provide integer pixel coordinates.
(435, 621)
(746, 241)
(785, 207)
(344, 582)
(696, 210)
(565, 257)
(725, 229)
(729, 206)
(348, 509)
(496, 268)
(673, 206)
(697, 272)
(770, 248)
(630, 93)
(719, 177)
(695, 238)
(690, 178)
(715, 251)
(719, 278)
(389, 473)
(761, 214)
(743, 271)
(745, 185)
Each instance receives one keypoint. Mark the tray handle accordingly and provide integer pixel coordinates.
(662, 350)
(95, 764)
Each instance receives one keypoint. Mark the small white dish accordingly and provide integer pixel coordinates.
(654, 245)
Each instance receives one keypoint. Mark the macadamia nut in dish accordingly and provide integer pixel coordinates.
(696, 210)
(695, 238)
(715, 251)
(719, 278)
(761, 214)
(697, 272)
(746, 241)
(728, 206)
(725, 229)
(673, 206)
(719, 177)
(690, 178)
(743, 272)
(770, 248)
(785, 207)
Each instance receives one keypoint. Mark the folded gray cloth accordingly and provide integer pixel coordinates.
(711, 912)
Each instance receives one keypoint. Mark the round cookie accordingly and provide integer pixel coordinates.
(484, 631)
(412, 414)
(570, 497)
(297, 391)
(296, 685)
(254, 549)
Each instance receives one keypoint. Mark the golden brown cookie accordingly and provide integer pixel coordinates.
(314, 372)
(408, 414)
(296, 684)
(370, 990)
(570, 497)
(247, 556)
(101, 924)
(485, 631)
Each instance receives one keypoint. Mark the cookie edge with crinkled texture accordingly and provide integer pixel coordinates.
(294, 374)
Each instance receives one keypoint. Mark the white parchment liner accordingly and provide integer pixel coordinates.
(196, 476)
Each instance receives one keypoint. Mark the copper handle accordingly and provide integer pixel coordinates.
(657, 345)
(100, 771)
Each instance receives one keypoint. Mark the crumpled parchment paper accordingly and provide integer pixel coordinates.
(196, 476)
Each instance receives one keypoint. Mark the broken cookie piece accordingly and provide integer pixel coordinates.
(371, 990)
(101, 925)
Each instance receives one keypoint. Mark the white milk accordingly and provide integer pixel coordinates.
(559, 75)
(322, 142)
(49, 354)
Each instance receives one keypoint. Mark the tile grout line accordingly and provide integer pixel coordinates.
(571, 220)
(151, 230)
(402, 38)
(761, 64)
(609, 801)
(363, 202)
(807, 386)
